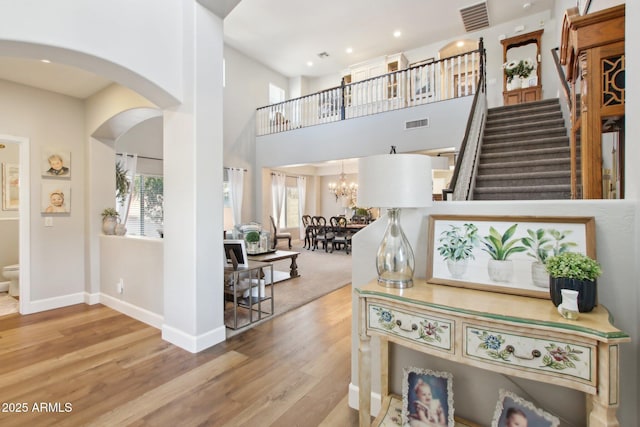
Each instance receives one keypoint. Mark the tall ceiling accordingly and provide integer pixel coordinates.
(286, 34)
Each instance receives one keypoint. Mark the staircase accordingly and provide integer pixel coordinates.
(525, 154)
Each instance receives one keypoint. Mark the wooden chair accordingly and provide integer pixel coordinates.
(341, 236)
(322, 232)
(308, 232)
(279, 235)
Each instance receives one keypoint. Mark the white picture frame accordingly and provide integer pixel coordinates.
(10, 187)
(239, 248)
(55, 197)
(56, 163)
(511, 405)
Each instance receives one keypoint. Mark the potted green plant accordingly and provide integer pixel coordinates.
(122, 183)
(575, 271)
(542, 244)
(110, 218)
(456, 247)
(252, 238)
(500, 247)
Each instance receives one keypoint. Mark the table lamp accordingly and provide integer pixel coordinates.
(395, 181)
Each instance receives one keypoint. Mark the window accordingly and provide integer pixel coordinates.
(276, 94)
(146, 211)
(290, 214)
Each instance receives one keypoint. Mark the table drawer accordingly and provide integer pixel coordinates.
(538, 354)
(424, 329)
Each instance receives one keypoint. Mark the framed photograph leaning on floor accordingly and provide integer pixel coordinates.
(427, 398)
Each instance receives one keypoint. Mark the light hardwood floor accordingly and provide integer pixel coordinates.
(91, 365)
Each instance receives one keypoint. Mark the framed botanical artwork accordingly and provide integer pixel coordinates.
(56, 164)
(512, 410)
(427, 398)
(55, 197)
(10, 187)
(503, 253)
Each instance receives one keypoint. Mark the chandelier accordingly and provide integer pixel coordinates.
(342, 188)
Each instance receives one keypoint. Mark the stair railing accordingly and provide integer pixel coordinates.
(463, 179)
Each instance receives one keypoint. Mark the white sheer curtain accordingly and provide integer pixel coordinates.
(236, 187)
(278, 187)
(129, 163)
(302, 195)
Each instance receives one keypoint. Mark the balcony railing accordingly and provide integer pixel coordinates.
(421, 84)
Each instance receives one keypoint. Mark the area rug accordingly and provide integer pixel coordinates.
(320, 274)
(8, 305)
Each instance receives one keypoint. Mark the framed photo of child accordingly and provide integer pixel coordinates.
(56, 164)
(427, 398)
(513, 411)
(56, 197)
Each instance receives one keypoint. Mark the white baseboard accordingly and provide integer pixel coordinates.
(91, 299)
(354, 400)
(191, 343)
(146, 316)
(29, 307)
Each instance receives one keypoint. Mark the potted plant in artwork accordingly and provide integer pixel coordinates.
(542, 244)
(575, 271)
(456, 247)
(500, 247)
(110, 219)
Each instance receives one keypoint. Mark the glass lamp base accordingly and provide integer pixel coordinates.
(395, 261)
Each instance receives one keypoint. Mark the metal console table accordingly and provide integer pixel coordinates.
(246, 281)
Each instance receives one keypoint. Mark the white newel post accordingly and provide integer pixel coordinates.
(193, 217)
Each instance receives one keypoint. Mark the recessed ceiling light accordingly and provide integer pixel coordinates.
(397, 33)
(526, 5)
(46, 61)
(349, 50)
(309, 64)
(460, 43)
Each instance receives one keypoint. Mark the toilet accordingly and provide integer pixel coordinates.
(12, 273)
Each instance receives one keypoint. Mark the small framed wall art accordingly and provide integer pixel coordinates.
(56, 197)
(10, 187)
(56, 164)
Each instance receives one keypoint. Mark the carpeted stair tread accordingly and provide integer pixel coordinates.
(541, 165)
(515, 126)
(554, 142)
(520, 175)
(526, 153)
(546, 115)
(530, 134)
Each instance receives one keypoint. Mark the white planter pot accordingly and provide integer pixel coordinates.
(539, 275)
(500, 271)
(457, 268)
(515, 84)
(524, 82)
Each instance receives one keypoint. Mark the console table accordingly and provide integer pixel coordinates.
(453, 323)
(246, 280)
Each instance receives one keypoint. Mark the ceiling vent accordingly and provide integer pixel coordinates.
(475, 17)
(413, 124)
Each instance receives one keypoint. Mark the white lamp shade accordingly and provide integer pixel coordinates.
(395, 181)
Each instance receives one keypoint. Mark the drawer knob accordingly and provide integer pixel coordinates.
(413, 327)
(534, 353)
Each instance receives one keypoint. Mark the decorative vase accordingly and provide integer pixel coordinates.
(457, 268)
(500, 270)
(539, 275)
(109, 225)
(120, 230)
(524, 82)
(587, 292)
(569, 306)
(514, 84)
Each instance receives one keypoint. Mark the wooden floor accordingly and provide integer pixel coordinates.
(90, 365)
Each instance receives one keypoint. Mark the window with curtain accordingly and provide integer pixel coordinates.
(146, 211)
(290, 217)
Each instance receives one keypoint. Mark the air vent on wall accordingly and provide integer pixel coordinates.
(413, 124)
(475, 17)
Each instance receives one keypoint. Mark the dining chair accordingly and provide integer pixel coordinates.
(308, 232)
(341, 235)
(322, 233)
(279, 235)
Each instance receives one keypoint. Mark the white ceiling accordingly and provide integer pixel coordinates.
(285, 34)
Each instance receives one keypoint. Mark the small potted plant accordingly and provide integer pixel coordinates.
(575, 271)
(456, 247)
(253, 239)
(110, 219)
(500, 247)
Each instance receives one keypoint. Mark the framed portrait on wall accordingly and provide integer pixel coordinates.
(10, 187)
(55, 197)
(56, 164)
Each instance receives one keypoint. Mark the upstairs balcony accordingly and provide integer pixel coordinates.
(440, 80)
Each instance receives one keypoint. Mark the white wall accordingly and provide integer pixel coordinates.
(51, 120)
(42, 29)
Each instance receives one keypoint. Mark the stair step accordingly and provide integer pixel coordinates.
(542, 165)
(531, 144)
(524, 179)
(513, 126)
(537, 192)
(529, 106)
(537, 154)
(498, 121)
(530, 134)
